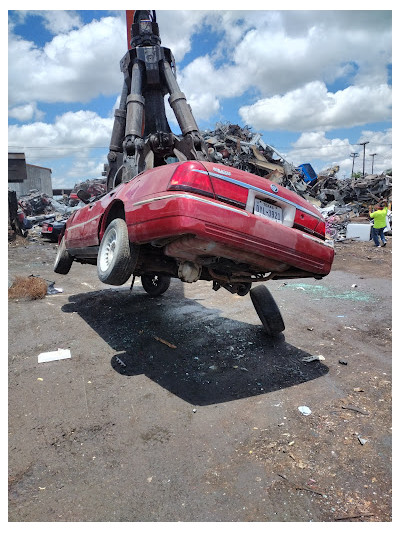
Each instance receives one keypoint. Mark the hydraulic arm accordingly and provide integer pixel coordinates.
(141, 137)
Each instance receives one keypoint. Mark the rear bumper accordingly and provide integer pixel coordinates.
(220, 228)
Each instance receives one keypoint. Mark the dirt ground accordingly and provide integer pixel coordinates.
(181, 409)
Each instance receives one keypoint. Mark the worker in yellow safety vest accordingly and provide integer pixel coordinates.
(379, 213)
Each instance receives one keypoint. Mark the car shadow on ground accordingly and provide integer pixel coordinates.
(189, 349)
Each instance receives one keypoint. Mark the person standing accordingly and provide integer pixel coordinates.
(379, 215)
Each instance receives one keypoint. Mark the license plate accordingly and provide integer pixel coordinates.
(266, 210)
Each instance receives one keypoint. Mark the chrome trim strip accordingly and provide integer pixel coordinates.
(257, 189)
(84, 223)
(192, 197)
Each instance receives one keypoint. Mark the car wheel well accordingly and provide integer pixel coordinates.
(116, 210)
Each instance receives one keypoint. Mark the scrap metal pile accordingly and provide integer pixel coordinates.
(31, 210)
(94, 187)
(231, 145)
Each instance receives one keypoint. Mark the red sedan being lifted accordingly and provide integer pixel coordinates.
(200, 220)
(193, 219)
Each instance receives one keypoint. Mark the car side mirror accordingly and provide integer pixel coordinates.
(83, 195)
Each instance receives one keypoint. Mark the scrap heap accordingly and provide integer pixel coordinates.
(94, 187)
(231, 145)
(29, 211)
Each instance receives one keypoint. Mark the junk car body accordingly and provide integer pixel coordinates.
(198, 220)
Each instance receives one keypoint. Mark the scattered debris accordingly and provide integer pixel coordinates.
(46, 357)
(297, 487)
(353, 516)
(342, 362)
(165, 342)
(53, 290)
(361, 440)
(304, 410)
(119, 361)
(311, 358)
(356, 409)
(358, 389)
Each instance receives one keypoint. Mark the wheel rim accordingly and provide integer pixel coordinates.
(108, 249)
(59, 252)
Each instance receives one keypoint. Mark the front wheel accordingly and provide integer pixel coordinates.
(114, 260)
(267, 310)
(154, 284)
(63, 262)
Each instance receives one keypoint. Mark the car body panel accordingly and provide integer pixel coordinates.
(188, 226)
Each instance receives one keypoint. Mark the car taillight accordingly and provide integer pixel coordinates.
(230, 192)
(192, 177)
(49, 229)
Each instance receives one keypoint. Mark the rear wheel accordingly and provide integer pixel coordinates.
(267, 310)
(114, 260)
(155, 284)
(63, 262)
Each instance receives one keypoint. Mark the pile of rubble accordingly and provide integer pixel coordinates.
(93, 187)
(238, 147)
(31, 210)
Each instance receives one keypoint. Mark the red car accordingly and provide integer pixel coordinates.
(199, 220)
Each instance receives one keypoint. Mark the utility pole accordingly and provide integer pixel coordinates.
(363, 145)
(353, 155)
(372, 155)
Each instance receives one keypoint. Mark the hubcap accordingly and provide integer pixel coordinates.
(108, 250)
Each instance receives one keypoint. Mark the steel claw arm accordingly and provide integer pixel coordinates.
(141, 136)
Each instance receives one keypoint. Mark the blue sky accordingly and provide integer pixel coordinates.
(314, 83)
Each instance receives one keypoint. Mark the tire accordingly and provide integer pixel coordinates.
(154, 284)
(63, 262)
(114, 260)
(267, 310)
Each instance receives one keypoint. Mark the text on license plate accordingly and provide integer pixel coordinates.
(264, 209)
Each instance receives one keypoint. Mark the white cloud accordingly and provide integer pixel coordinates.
(71, 132)
(73, 67)
(321, 151)
(313, 106)
(27, 112)
(60, 21)
(89, 168)
(177, 29)
(288, 60)
(280, 52)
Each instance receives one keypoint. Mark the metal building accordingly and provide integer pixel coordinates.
(23, 177)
